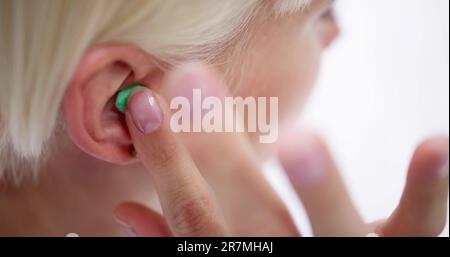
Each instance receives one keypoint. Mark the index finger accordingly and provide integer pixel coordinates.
(187, 201)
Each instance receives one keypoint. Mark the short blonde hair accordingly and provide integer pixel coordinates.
(42, 41)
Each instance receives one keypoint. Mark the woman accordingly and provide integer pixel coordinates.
(63, 63)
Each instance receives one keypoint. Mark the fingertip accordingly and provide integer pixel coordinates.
(423, 206)
(430, 160)
(305, 143)
(183, 79)
(121, 216)
(122, 213)
(435, 148)
(137, 219)
(144, 110)
(303, 156)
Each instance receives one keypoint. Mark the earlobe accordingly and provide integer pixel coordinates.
(91, 118)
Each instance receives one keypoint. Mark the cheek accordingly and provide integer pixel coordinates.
(288, 73)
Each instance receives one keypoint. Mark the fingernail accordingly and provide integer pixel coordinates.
(304, 162)
(372, 235)
(309, 169)
(443, 172)
(128, 230)
(144, 110)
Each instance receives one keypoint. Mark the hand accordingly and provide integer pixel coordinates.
(222, 161)
(315, 177)
(226, 163)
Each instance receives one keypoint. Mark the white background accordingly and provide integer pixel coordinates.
(384, 87)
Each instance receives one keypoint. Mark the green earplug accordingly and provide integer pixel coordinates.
(122, 97)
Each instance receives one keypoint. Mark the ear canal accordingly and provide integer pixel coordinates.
(122, 96)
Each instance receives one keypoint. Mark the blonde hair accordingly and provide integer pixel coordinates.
(42, 41)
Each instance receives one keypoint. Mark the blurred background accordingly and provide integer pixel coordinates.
(384, 87)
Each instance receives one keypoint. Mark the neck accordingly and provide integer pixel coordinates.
(74, 193)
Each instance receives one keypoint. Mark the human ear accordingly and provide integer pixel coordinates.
(90, 116)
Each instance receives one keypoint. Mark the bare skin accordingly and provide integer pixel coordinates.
(93, 171)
